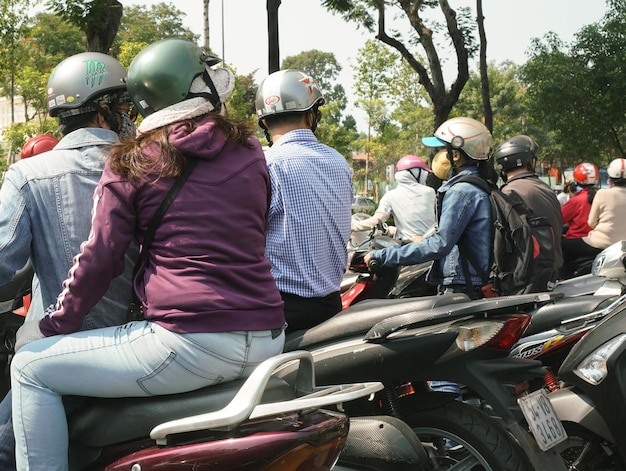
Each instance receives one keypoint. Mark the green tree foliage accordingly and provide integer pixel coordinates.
(507, 101)
(335, 129)
(578, 91)
(241, 103)
(456, 31)
(98, 19)
(144, 25)
(17, 134)
(412, 112)
(373, 78)
(13, 21)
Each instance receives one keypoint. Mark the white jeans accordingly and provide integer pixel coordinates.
(135, 359)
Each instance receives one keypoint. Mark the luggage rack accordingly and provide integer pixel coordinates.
(246, 403)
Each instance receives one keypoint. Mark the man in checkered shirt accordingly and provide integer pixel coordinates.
(310, 208)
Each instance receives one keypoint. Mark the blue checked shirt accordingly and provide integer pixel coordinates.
(310, 213)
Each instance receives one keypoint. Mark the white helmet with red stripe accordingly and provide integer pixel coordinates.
(617, 169)
(466, 134)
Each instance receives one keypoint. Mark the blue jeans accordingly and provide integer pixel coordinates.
(137, 359)
(7, 439)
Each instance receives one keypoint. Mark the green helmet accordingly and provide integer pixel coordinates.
(162, 73)
(79, 80)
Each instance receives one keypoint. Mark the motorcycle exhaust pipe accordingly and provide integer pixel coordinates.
(383, 443)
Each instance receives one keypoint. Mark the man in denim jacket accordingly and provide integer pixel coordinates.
(464, 214)
(46, 200)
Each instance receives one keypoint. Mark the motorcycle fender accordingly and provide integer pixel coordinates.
(383, 443)
(571, 406)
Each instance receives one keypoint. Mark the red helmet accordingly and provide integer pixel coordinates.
(38, 144)
(586, 174)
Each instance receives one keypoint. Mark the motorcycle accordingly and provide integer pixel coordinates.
(555, 328)
(405, 343)
(607, 277)
(261, 422)
(366, 282)
(589, 396)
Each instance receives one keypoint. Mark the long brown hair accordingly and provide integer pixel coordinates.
(129, 159)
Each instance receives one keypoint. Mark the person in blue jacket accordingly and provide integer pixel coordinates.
(463, 213)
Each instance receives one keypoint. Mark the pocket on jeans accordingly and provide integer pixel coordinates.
(171, 377)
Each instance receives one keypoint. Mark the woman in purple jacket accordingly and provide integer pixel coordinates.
(212, 311)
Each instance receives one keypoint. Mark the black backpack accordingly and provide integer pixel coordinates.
(523, 246)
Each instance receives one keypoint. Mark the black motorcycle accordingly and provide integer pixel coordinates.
(591, 395)
(405, 343)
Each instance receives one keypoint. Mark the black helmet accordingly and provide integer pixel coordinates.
(516, 152)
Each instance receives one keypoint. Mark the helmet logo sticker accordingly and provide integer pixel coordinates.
(95, 72)
(308, 80)
(272, 100)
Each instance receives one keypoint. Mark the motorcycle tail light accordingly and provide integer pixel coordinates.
(593, 368)
(514, 327)
(500, 333)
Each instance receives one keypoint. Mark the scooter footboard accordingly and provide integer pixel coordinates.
(383, 443)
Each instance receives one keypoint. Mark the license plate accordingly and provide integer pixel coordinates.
(541, 416)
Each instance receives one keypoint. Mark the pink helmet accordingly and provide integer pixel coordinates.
(411, 161)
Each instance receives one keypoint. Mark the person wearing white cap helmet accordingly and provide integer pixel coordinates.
(310, 211)
(211, 309)
(606, 219)
(411, 203)
(464, 214)
(607, 208)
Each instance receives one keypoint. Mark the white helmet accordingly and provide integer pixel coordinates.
(617, 169)
(286, 91)
(466, 134)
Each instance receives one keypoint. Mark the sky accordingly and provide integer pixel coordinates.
(305, 24)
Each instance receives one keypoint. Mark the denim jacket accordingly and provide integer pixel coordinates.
(45, 215)
(465, 218)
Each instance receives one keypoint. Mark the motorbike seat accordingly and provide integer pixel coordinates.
(550, 316)
(361, 317)
(100, 422)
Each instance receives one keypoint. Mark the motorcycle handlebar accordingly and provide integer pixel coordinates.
(374, 266)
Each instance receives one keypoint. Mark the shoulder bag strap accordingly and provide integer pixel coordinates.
(190, 164)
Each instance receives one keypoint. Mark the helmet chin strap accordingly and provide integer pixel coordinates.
(450, 155)
(213, 97)
(268, 136)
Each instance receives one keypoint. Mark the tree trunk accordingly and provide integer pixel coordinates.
(205, 18)
(272, 35)
(484, 76)
(100, 39)
(443, 99)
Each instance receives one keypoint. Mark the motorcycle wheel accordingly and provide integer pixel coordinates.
(584, 451)
(459, 436)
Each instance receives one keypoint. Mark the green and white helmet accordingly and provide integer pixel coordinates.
(466, 134)
(162, 75)
(286, 91)
(76, 82)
